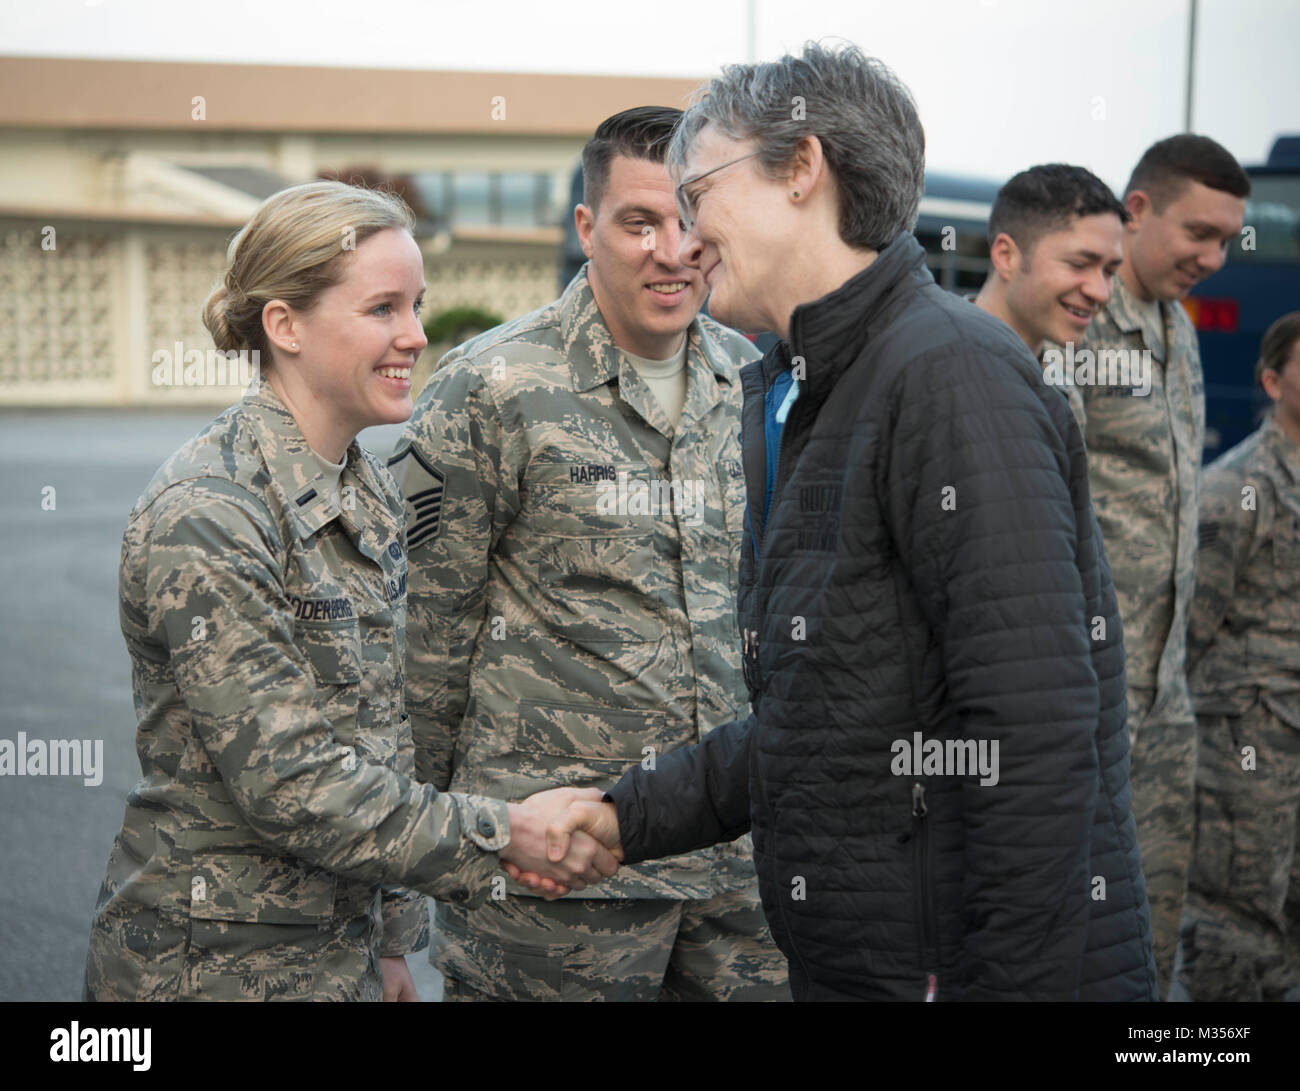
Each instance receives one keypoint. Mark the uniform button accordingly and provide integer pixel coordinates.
(486, 826)
(458, 895)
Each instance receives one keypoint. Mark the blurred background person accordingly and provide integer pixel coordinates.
(1241, 925)
(1186, 199)
(1055, 244)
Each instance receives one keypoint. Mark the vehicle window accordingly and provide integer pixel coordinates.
(1273, 210)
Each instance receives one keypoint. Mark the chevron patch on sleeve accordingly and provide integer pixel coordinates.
(422, 486)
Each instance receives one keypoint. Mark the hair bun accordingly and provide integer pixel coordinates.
(216, 319)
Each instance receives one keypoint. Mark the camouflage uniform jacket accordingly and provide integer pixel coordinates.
(1244, 636)
(1144, 458)
(276, 811)
(566, 619)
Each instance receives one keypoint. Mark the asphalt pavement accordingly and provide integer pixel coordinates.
(68, 478)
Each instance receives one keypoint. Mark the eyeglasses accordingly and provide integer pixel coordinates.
(686, 203)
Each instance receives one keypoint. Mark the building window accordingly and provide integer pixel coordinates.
(471, 199)
(489, 198)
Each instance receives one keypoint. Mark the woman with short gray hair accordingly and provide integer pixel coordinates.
(863, 116)
(935, 769)
(837, 140)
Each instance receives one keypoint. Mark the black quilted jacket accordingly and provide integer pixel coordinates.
(930, 564)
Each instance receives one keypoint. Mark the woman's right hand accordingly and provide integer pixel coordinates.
(585, 860)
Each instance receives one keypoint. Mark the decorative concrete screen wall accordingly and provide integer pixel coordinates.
(62, 315)
(109, 313)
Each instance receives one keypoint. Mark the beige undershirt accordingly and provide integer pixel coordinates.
(666, 380)
(331, 471)
(1152, 314)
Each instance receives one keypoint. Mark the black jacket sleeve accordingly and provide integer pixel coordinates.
(693, 797)
(987, 526)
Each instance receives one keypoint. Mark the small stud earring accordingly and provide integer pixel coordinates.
(795, 193)
(294, 345)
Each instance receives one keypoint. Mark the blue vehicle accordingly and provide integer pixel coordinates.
(952, 224)
(1260, 283)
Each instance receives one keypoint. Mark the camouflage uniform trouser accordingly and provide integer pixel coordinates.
(522, 948)
(1163, 774)
(1241, 931)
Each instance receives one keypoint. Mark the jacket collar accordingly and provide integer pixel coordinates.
(1129, 317)
(589, 348)
(293, 467)
(831, 332)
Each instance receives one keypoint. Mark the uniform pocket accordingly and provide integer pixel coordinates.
(253, 915)
(616, 503)
(333, 648)
(599, 590)
(260, 888)
(588, 731)
(495, 967)
(588, 746)
(254, 986)
(1275, 643)
(1280, 648)
(1286, 548)
(334, 651)
(593, 537)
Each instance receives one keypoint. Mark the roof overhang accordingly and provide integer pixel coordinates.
(66, 93)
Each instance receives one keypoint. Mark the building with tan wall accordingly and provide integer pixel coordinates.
(121, 183)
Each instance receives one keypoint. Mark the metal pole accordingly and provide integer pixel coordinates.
(1191, 65)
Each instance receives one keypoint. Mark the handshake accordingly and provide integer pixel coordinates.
(562, 839)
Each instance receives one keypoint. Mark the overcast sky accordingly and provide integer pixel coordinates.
(1001, 84)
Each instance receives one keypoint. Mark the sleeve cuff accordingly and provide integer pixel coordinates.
(485, 830)
(623, 796)
(485, 821)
